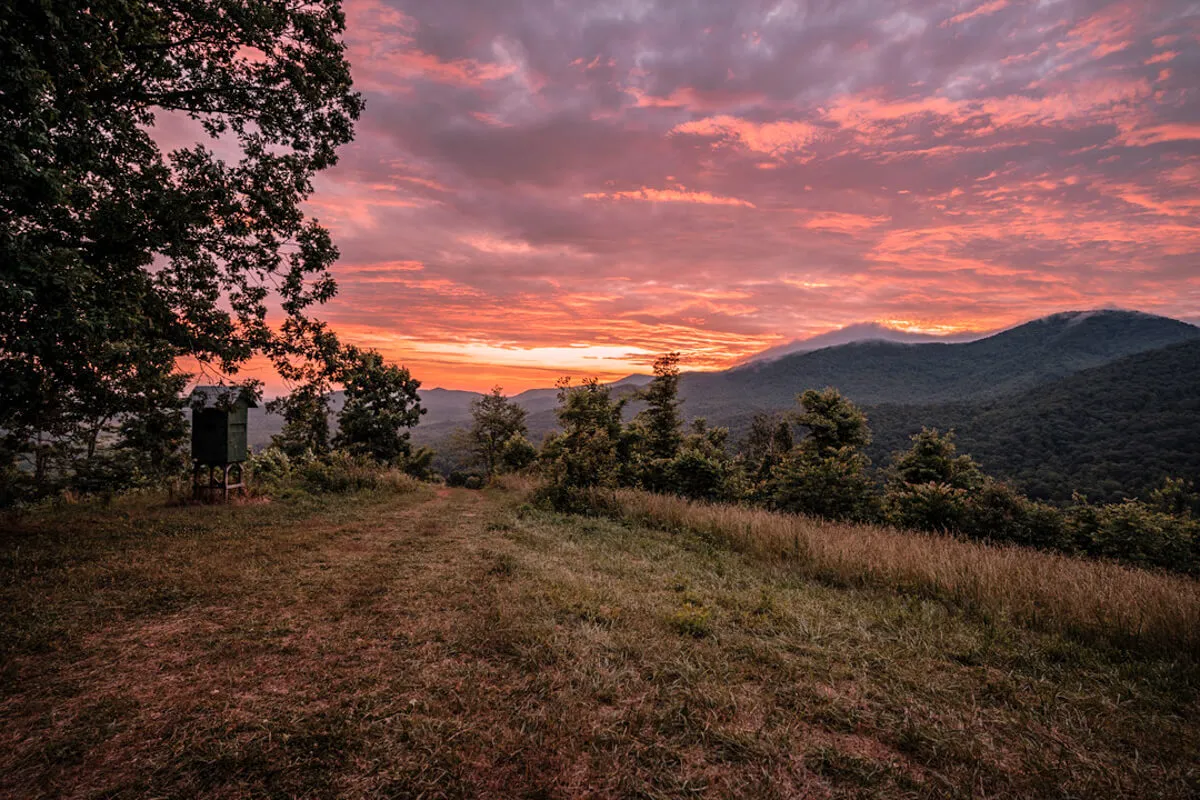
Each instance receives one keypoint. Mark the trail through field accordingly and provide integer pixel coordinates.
(450, 643)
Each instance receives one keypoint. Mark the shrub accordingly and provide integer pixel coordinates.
(419, 464)
(927, 506)
(339, 472)
(270, 469)
(458, 479)
(518, 454)
(833, 484)
(1134, 532)
(107, 473)
(998, 512)
(575, 464)
(697, 476)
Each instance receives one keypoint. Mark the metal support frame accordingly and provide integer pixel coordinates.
(217, 482)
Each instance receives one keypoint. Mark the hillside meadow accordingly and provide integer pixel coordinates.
(418, 641)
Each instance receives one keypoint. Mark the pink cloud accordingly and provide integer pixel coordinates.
(539, 189)
(990, 7)
(679, 195)
(768, 138)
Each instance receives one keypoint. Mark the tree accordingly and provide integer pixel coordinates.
(305, 409)
(1133, 531)
(702, 468)
(827, 473)
(930, 486)
(998, 512)
(662, 429)
(590, 448)
(833, 422)
(156, 441)
(769, 440)
(381, 404)
(496, 421)
(1176, 496)
(657, 431)
(118, 259)
(933, 457)
(518, 454)
(305, 412)
(827, 483)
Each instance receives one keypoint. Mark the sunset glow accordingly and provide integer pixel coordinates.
(540, 189)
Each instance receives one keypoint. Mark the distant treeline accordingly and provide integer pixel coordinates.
(814, 461)
(1111, 432)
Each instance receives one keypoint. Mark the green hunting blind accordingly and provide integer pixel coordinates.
(220, 419)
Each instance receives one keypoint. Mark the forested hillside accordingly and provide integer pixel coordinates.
(1110, 432)
(1087, 401)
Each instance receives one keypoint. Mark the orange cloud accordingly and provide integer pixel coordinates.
(1155, 134)
(841, 222)
(769, 138)
(679, 195)
(464, 71)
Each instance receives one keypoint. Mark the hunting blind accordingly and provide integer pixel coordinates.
(220, 419)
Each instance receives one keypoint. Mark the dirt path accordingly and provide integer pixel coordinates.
(293, 641)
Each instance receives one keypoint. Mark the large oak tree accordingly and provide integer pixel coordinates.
(118, 259)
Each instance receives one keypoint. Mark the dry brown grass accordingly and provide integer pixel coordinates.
(1125, 606)
(462, 644)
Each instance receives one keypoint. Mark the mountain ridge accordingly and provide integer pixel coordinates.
(859, 332)
(871, 373)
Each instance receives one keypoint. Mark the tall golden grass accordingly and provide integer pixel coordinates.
(1089, 599)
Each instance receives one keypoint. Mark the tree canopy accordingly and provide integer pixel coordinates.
(496, 421)
(381, 405)
(121, 254)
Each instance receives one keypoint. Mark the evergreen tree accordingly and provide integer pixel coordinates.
(656, 432)
(934, 458)
(827, 473)
(769, 440)
(590, 448)
(662, 429)
(703, 469)
(833, 422)
(929, 486)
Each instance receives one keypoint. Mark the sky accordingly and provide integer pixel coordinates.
(549, 187)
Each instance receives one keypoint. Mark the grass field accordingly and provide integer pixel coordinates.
(447, 643)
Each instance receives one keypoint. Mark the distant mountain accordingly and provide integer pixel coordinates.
(903, 383)
(871, 373)
(442, 406)
(859, 332)
(446, 405)
(1111, 432)
(539, 400)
